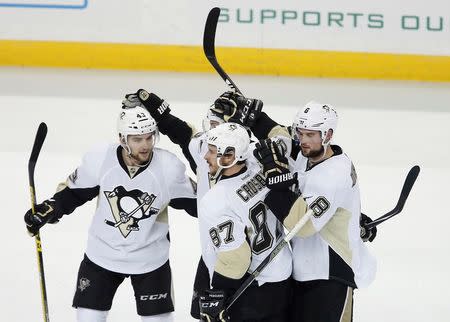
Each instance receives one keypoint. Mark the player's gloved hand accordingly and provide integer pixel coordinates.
(44, 213)
(157, 107)
(249, 110)
(275, 165)
(226, 105)
(367, 234)
(233, 107)
(212, 306)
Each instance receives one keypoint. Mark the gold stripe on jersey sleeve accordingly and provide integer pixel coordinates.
(279, 131)
(163, 216)
(62, 185)
(296, 213)
(234, 263)
(193, 129)
(335, 232)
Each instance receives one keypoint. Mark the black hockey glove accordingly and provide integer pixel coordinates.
(212, 306)
(226, 105)
(44, 213)
(157, 107)
(367, 234)
(275, 165)
(233, 107)
(249, 110)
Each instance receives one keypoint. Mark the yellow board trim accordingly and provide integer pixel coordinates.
(310, 63)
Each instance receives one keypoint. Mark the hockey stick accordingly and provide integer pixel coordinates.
(407, 186)
(269, 258)
(209, 37)
(38, 142)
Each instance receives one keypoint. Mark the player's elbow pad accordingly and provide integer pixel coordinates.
(234, 263)
(280, 202)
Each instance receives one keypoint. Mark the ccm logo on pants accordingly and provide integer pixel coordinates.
(210, 304)
(153, 297)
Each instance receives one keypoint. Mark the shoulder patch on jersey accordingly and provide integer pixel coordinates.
(73, 176)
(353, 175)
(194, 185)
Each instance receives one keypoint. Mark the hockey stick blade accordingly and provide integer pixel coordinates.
(37, 145)
(209, 37)
(407, 186)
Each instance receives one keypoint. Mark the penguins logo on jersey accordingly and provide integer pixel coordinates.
(129, 208)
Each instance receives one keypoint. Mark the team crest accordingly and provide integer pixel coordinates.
(129, 208)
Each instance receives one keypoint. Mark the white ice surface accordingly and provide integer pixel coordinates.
(385, 127)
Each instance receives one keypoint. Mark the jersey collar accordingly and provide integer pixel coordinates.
(244, 169)
(124, 166)
(337, 150)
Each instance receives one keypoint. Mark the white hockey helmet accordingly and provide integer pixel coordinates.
(211, 116)
(316, 117)
(135, 121)
(229, 137)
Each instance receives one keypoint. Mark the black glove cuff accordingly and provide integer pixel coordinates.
(282, 180)
(225, 283)
(280, 202)
(157, 107)
(57, 210)
(262, 126)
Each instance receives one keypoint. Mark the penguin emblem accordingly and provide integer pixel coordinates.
(129, 208)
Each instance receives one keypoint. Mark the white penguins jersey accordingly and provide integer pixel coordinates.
(129, 230)
(232, 213)
(334, 248)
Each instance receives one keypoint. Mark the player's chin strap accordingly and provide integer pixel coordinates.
(325, 148)
(219, 171)
(128, 149)
(131, 156)
(325, 145)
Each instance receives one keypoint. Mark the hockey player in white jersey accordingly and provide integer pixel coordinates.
(329, 257)
(238, 232)
(228, 107)
(134, 182)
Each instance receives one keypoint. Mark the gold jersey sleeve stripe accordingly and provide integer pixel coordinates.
(335, 233)
(297, 211)
(279, 131)
(234, 263)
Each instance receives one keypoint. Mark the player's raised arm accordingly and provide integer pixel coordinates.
(178, 131)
